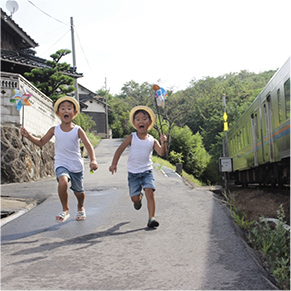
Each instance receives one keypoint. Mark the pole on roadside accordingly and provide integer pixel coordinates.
(74, 59)
(106, 114)
(225, 142)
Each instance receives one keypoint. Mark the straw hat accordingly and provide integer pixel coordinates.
(70, 99)
(145, 108)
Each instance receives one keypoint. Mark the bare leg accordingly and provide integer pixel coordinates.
(81, 199)
(63, 194)
(137, 201)
(150, 195)
(136, 198)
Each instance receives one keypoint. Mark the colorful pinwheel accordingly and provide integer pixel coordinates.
(161, 95)
(20, 98)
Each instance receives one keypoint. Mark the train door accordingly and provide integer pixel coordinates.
(255, 136)
(269, 152)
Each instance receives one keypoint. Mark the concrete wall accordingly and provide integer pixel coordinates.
(21, 160)
(37, 118)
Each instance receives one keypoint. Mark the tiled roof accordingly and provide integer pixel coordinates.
(11, 24)
(26, 59)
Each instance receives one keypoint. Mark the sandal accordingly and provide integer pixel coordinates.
(64, 216)
(153, 223)
(81, 215)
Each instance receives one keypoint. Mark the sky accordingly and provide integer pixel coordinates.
(168, 42)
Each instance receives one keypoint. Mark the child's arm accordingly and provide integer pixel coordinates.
(118, 153)
(89, 148)
(161, 149)
(39, 141)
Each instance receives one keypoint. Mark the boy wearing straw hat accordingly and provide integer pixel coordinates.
(139, 164)
(69, 165)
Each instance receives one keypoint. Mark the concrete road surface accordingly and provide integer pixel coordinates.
(196, 246)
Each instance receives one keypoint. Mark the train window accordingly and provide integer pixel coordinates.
(243, 136)
(248, 133)
(256, 126)
(265, 118)
(287, 97)
(280, 111)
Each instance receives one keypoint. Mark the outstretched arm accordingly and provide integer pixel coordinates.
(118, 153)
(161, 149)
(39, 141)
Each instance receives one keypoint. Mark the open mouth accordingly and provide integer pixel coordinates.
(66, 116)
(141, 126)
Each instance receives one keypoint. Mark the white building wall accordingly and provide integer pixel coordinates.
(95, 106)
(38, 118)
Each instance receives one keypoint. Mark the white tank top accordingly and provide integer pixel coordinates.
(140, 154)
(67, 150)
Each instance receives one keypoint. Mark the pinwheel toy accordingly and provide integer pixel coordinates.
(20, 99)
(161, 96)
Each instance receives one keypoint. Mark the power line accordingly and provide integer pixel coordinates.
(46, 13)
(64, 34)
(83, 50)
(56, 42)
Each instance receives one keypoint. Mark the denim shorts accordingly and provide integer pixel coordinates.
(77, 179)
(139, 181)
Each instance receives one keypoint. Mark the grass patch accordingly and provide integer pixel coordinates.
(94, 139)
(272, 242)
(167, 164)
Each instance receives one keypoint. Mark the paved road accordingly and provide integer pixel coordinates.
(195, 247)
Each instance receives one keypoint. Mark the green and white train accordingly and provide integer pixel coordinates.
(259, 143)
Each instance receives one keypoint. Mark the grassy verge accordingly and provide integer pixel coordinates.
(94, 139)
(270, 240)
(167, 164)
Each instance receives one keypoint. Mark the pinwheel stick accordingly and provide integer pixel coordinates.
(159, 117)
(22, 123)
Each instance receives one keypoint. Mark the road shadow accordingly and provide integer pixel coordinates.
(86, 241)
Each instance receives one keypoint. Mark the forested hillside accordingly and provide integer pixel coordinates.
(192, 118)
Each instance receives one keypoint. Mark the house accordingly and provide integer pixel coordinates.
(18, 56)
(95, 108)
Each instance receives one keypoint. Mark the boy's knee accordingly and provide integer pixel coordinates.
(149, 193)
(63, 182)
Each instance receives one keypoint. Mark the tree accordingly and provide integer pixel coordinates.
(190, 146)
(52, 79)
(174, 113)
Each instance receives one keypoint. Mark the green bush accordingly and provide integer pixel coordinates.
(191, 148)
(85, 121)
(274, 245)
(175, 158)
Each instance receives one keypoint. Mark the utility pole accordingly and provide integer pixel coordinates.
(106, 114)
(225, 143)
(74, 58)
(225, 125)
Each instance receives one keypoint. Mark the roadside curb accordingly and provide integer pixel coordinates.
(17, 206)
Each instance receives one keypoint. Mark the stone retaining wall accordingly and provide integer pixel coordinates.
(21, 160)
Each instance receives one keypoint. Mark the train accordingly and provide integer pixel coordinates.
(259, 142)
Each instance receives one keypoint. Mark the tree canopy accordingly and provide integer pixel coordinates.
(192, 118)
(52, 80)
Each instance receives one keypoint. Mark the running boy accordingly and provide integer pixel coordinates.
(139, 164)
(69, 165)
